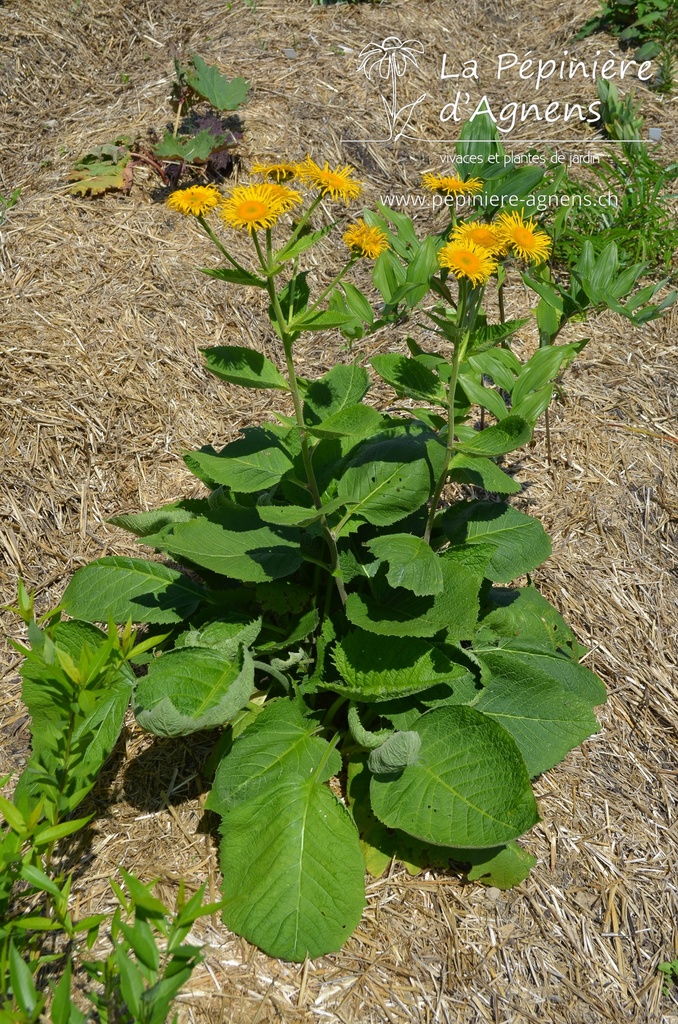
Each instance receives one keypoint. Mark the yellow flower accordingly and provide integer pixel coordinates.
(364, 240)
(337, 183)
(451, 185)
(196, 200)
(485, 235)
(523, 236)
(287, 197)
(466, 259)
(254, 207)
(279, 172)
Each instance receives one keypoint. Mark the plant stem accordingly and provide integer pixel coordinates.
(333, 708)
(459, 352)
(467, 311)
(178, 118)
(304, 220)
(222, 249)
(287, 340)
(332, 283)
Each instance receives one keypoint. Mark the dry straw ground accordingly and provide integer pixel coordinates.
(102, 388)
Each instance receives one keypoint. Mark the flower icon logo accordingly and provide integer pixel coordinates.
(389, 60)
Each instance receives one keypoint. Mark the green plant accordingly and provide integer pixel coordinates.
(150, 961)
(639, 217)
(346, 617)
(76, 685)
(7, 202)
(201, 140)
(649, 25)
(670, 971)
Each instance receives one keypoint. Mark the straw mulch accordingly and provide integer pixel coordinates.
(102, 389)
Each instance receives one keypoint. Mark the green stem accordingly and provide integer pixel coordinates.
(459, 353)
(267, 270)
(304, 221)
(287, 341)
(222, 249)
(332, 710)
(500, 298)
(331, 285)
(274, 673)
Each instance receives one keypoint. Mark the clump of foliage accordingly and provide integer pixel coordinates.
(202, 140)
(7, 203)
(670, 971)
(649, 25)
(77, 683)
(352, 626)
(639, 219)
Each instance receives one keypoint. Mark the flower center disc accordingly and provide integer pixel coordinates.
(252, 209)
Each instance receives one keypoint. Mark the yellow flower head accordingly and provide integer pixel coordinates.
(364, 240)
(287, 197)
(451, 185)
(523, 237)
(485, 235)
(466, 259)
(278, 172)
(254, 207)
(336, 183)
(196, 200)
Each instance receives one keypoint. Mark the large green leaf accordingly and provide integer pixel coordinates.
(521, 541)
(386, 480)
(255, 462)
(124, 588)
(399, 612)
(243, 366)
(234, 542)
(522, 612)
(379, 672)
(293, 871)
(559, 667)
(482, 472)
(191, 689)
(410, 377)
(279, 744)
(412, 563)
(469, 787)
(544, 718)
(512, 433)
(355, 421)
(340, 388)
(223, 93)
(500, 866)
(145, 523)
